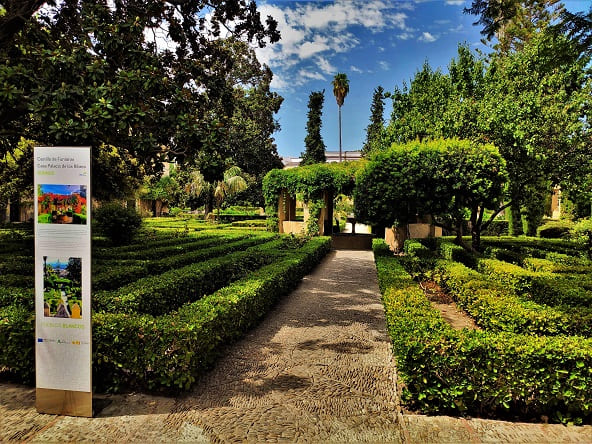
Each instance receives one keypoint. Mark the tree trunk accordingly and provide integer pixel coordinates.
(340, 134)
(515, 220)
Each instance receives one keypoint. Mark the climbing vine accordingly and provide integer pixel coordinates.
(310, 182)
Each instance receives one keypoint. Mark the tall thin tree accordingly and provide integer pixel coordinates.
(374, 130)
(313, 142)
(340, 89)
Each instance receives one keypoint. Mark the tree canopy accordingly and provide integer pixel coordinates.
(142, 82)
(447, 178)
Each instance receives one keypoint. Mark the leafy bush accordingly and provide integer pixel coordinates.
(534, 246)
(497, 227)
(496, 308)
(162, 293)
(449, 250)
(170, 351)
(555, 229)
(134, 350)
(120, 224)
(545, 288)
(17, 330)
(582, 234)
(503, 254)
(111, 277)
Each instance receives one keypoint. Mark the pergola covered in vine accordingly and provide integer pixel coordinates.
(314, 185)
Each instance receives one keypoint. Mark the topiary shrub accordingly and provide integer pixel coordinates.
(555, 229)
(120, 224)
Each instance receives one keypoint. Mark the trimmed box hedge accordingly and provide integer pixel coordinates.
(496, 308)
(529, 244)
(169, 351)
(107, 277)
(162, 293)
(480, 373)
(545, 288)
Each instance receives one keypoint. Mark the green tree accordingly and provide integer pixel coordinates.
(165, 189)
(418, 109)
(376, 126)
(534, 111)
(252, 127)
(91, 73)
(340, 85)
(513, 22)
(313, 142)
(447, 178)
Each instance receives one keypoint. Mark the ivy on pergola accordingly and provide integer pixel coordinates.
(310, 183)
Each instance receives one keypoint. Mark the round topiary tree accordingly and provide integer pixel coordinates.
(449, 179)
(117, 222)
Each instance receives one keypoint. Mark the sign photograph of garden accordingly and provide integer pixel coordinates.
(62, 287)
(61, 204)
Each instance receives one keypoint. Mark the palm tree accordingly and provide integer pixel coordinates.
(232, 183)
(340, 89)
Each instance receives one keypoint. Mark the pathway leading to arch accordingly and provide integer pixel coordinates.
(318, 369)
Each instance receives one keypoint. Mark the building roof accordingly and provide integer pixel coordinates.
(332, 156)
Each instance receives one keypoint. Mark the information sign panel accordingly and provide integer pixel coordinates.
(63, 349)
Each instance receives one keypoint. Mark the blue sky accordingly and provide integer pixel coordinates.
(374, 42)
(63, 189)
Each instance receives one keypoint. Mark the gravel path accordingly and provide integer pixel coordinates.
(318, 369)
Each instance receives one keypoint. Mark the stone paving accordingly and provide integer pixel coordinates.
(318, 369)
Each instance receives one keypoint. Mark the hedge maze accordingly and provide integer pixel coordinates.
(164, 308)
(532, 357)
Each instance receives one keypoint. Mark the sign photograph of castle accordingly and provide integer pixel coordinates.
(61, 204)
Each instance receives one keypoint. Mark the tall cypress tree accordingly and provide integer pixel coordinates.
(313, 142)
(374, 130)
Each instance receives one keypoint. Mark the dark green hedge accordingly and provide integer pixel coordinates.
(22, 265)
(550, 266)
(17, 339)
(106, 277)
(449, 250)
(170, 351)
(167, 352)
(24, 297)
(481, 373)
(530, 244)
(162, 293)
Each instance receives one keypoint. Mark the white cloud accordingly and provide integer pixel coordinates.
(355, 69)
(319, 30)
(405, 36)
(385, 66)
(325, 66)
(455, 2)
(313, 75)
(427, 37)
(308, 49)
